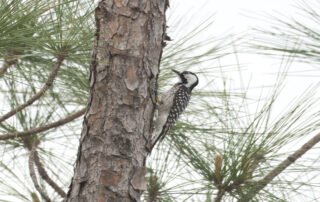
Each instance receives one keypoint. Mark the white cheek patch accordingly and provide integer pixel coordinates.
(191, 79)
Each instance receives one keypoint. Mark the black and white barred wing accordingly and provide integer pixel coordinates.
(180, 102)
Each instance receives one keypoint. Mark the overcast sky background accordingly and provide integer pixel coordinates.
(238, 17)
(235, 17)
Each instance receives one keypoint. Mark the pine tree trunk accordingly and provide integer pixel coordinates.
(117, 124)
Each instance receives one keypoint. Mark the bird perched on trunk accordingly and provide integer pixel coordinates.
(172, 104)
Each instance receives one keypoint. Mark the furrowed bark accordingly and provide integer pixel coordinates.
(117, 124)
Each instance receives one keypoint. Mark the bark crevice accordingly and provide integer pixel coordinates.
(117, 124)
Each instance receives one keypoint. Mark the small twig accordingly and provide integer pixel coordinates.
(33, 174)
(282, 166)
(39, 94)
(9, 59)
(45, 176)
(4, 68)
(219, 195)
(43, 128)
(34, 197)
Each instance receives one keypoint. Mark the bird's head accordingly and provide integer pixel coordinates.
(189, 79)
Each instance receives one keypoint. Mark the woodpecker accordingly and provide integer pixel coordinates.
(174, 102)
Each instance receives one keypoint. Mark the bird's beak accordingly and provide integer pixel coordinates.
(175, 71)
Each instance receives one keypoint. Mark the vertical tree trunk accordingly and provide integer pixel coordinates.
(117, 124)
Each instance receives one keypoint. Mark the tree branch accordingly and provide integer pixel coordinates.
(33, 174)
(45, 176)
(9, 59)
(43, 128)
(219, 195)
(39, 94)
(4, 68)
(282, 166)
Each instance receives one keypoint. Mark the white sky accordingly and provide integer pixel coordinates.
(236, 17)
(231, 13)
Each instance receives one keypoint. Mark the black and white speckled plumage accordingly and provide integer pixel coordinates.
(173, 104)
(180, 102)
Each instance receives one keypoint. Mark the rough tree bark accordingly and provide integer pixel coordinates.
(117, 124)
